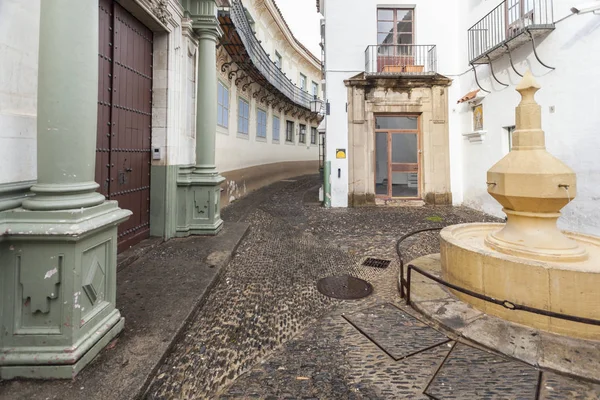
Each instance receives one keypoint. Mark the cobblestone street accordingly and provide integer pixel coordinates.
(266, 332)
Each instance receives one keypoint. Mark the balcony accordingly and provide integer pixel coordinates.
(246, 51)
(400, 59)
(508, 26)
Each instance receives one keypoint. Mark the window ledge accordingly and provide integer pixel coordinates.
(244, 136)
(261, 139)
(476, 136)
(275, 141)
(290, 143)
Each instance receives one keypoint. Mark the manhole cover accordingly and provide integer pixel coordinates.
(344, 287)
(376, 262)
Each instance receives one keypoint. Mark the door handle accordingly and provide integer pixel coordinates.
(128, 169)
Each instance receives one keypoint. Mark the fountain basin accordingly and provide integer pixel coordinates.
(565, 287)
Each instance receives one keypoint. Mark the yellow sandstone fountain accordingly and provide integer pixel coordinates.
(528, 260)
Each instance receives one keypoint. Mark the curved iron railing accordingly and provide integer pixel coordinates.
(261, 60)
(405, 288)
(507, 21)
(400, 59)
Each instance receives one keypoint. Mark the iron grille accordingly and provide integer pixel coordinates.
(393, 59)
(261, 60)
(509, 20)
(376, 262)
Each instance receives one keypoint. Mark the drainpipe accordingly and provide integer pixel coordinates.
(327, 184)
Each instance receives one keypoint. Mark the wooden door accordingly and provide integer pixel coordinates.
(123, 155)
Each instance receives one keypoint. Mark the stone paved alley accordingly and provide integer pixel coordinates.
(266, 332)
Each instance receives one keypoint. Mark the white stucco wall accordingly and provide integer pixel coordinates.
(236, 151)
(275, 37)
(572, 129)
(348, 32)
(19, 43)
(173, 95)
(572, 89)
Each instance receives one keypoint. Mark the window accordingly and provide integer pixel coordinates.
(261, 123)
(303, 82)
(222, 105)
(275, 129)
(278, 60)
(289, 131)
(313, 135)
(302, 138)
(315, 89)
(395, 26)
(243, 116)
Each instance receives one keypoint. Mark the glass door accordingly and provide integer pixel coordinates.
(404, 165)
(397, 166)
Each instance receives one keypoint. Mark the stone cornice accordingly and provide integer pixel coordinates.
(398, 81)
(288, 35)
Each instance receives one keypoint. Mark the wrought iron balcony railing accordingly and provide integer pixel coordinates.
(507, 26)
(250, 55)
(400, 59)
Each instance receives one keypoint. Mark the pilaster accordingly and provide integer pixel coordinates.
(199, 186)
(58, 252)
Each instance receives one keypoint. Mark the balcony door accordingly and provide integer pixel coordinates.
(519, 15)
(397, 157)
(395, 37)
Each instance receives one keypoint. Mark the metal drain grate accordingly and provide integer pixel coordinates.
(376, 262)
(344, 287)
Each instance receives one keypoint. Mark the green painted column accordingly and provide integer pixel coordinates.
(199, 186)
(206, 111)
(58, 253)
(67, 106)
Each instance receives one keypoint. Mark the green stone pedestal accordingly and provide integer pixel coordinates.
(58, 289)
(198, 202)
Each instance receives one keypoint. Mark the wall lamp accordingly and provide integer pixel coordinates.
(593, 7)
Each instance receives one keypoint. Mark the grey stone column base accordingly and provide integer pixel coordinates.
(198, 202)
(68, 371)
(57, 289)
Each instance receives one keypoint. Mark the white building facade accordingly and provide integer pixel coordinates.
(372, 44)
(265, 130)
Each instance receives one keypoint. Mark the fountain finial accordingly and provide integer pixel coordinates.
(532, 186)
(528, 116)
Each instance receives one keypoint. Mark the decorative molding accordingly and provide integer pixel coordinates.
(13, 194)
(160, 10)
(94, 282)
(475, 137)
(40, 285)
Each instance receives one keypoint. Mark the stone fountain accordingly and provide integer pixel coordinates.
(528, 260)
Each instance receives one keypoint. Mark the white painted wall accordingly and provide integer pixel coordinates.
(174, 95)
(173, 103)
(19, 43)
(276, 37)
(348, 32)
(573, 89)
(237, 151)
(572, 131)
